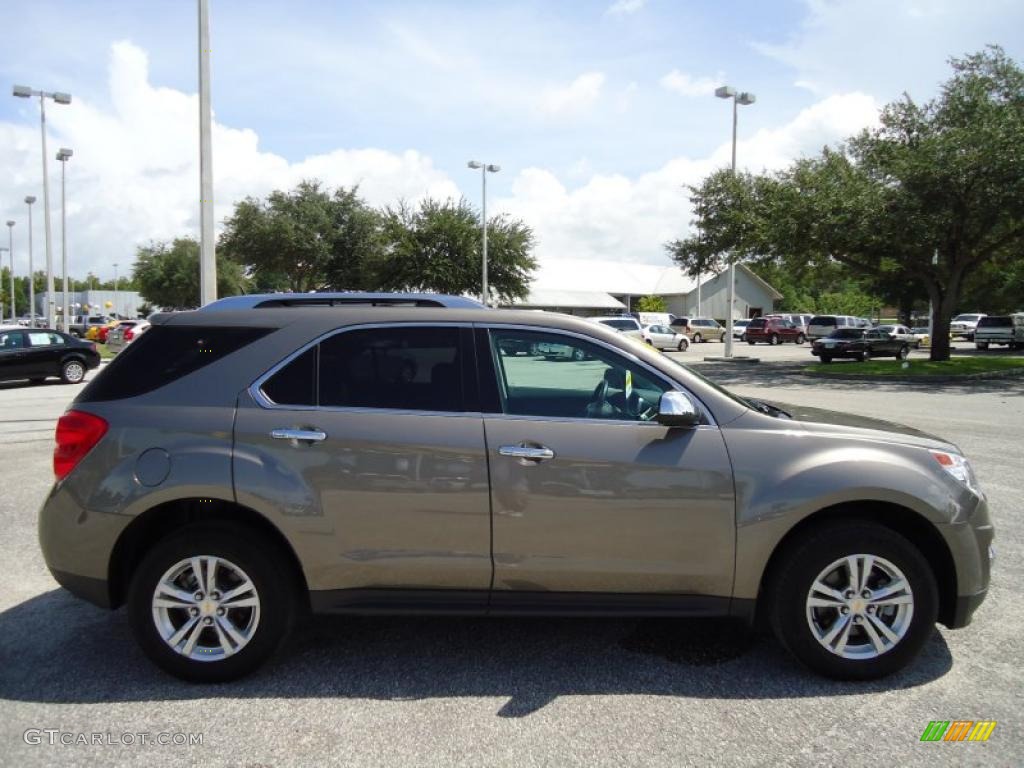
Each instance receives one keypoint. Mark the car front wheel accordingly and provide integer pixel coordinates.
(865, 355)
(800, 339)
(683, 345)
(773, 339)
(854, 600)
(211, 603)
(696, 338)
(904, 353)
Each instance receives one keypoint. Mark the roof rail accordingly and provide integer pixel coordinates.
(340, 299)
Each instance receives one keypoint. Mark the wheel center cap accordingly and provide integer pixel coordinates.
(858, 605)
(207, 607)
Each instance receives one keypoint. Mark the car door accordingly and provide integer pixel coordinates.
(43, 353)
(588, 493)
(371, 444)
(13, 354)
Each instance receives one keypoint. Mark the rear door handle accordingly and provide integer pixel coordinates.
(533, 453)
(311, 435)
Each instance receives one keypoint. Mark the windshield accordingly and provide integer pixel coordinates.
(966, 318)
(622, 325)
(847, 333)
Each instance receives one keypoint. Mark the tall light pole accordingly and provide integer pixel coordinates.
(115, 287)
(207, 257)
(744, 99)
(29, 199)
(10, 247)
(24, 92)
(484, 168)
(63, 155)
(2, 249)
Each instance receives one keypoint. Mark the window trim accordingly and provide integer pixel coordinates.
(256, 388)
(674, 385)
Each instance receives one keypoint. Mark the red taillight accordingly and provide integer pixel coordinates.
(128, 335)
(77, 433)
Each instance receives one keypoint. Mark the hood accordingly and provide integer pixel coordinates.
(823, 421)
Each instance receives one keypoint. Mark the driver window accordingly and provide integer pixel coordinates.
(552, 375)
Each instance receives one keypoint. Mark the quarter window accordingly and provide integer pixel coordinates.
(295, 384)
(565, 377)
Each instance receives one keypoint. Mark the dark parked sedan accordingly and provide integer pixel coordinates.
(859, 344)
(38, 354)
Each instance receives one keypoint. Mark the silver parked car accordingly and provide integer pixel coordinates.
(242, 463)
(125, 333)
(664, 337)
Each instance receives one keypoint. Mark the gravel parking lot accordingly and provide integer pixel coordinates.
(403, 691)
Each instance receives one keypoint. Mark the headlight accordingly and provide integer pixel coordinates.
(958, 467)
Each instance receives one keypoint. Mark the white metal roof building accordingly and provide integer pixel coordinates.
(589, 287)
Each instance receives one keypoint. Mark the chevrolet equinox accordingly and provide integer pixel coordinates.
(242, 464)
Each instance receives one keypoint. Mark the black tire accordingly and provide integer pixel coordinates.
(800, 339)
(751, 342)
(649, 342)
(815, 551)
(265, 566)
(773, 339)
(904, 353)
(683, 345)
(865, 356)
(981, 345)
(826, 358)
(73, 371)
(743, 337)
(578, 355)
(697, 338)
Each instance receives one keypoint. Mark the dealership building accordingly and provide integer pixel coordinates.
(594, 287)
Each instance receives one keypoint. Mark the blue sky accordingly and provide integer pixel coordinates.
(598, 111)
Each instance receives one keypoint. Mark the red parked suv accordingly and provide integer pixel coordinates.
(774, 330)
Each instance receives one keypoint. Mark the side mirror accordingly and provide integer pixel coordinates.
(676, 409)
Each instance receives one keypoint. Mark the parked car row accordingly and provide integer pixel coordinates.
(38, 354)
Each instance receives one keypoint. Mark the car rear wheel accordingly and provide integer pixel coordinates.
(981, 345)
(865, 355)
(683, 345)
(697, 338)
(211, 604)
(826, 358)
(773, 339)
(904, 353)
(72, 372)
(800, 338)
(854, 600)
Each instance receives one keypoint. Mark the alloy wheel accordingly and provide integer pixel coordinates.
(860, 607)
(206, 608)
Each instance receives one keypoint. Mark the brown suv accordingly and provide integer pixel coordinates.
(699, 328)
(239, 465)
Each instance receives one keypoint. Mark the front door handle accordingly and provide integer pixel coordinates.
(311, 435)
(532, 453)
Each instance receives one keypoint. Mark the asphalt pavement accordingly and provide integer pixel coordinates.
(411, 692)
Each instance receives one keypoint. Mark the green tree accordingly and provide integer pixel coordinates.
(167, 274)
(307, 239)
(437, 247)
(929, 197)
(651, 304)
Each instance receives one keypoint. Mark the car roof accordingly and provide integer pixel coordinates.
(338, 298)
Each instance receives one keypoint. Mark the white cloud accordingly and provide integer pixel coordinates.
(575, 97)
(135, 177)
(688, 85)
(625, 7)
(614, 217)
(886, 48)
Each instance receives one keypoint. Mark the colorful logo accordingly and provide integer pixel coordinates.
(958, 730)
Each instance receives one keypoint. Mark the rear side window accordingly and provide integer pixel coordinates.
(295, 384)
(995, 322)
(163, 354)
(409, 368)
(757, 323)
(826, 321)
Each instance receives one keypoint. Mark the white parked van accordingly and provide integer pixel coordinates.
(822, 325)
